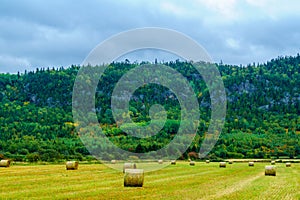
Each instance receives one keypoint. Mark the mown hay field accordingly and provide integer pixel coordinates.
(180, 181)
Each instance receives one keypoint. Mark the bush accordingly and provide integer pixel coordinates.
(193, 155)
(50, 155)
(234, 155)
(17, 157)
(33, 157)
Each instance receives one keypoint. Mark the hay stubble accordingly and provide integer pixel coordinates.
(180, 181)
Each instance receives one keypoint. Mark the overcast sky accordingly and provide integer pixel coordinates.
(56, 33)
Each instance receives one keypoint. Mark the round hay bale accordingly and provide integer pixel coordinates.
(173, 162)
(160, 161)
(222, 164)
(270, 171)
(134, 178)
(251, 164)
(273, 162)
(72, 165)
(207, 161)
(288, 164)
(192, 163)
(4, 163)
(230, 162)
(128, 166)
(113, 161)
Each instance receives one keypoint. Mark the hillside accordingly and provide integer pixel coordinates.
(262, 116)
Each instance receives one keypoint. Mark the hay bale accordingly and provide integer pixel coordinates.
(113, 161)
(222, 164)
(128, 166)
(192, 163)
(4, 163)
(288, 164)
(207, 161)
(270, 171)
(251, 164)
(273, 162)
(230, 162)
(160, 161)
(134, 178)
(173, 162)
(72, 165)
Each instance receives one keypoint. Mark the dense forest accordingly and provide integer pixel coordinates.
(262, 121)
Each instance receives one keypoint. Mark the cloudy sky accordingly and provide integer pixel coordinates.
(58, 33)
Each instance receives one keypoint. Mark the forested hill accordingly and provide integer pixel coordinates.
(263, 114)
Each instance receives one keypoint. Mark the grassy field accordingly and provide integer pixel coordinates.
(180, 181)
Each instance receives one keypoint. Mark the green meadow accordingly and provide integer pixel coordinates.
(180, 181)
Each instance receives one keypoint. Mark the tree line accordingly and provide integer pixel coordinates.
(262, 120)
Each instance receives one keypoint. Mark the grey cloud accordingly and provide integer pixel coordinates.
(60, 33)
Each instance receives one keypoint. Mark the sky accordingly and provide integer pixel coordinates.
(57, 33)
